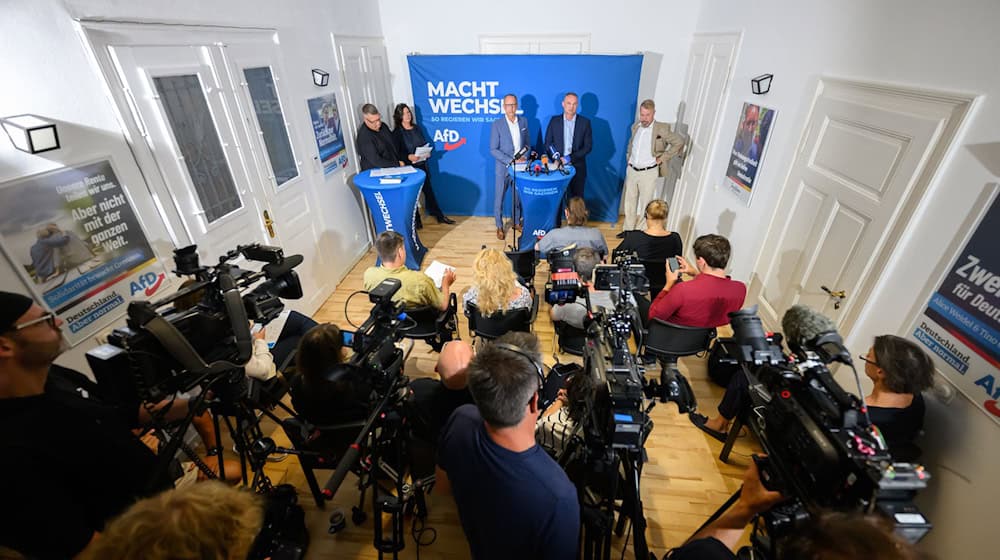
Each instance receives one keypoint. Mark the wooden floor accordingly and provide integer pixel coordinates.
(683, 483)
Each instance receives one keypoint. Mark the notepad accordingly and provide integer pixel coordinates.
(436, 272)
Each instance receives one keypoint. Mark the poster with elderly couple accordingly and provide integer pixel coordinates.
(752, 134)
(73, 236)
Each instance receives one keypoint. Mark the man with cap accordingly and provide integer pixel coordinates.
(70, 461)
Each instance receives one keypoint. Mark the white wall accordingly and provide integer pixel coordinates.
(937, 45)
(441, 27)
(47, 71)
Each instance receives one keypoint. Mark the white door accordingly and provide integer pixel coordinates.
(864, 160)
(705, 91)
(365, 73)
(186, 113)
(255, 76)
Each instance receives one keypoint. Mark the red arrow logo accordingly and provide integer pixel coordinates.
(449, 147)
(152, 289)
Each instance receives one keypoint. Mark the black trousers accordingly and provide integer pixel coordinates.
(430, 201)
(736, 398)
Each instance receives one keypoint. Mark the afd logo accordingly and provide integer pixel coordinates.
(450, 138)
(148, 283)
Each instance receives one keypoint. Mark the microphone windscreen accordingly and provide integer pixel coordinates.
(802, 324)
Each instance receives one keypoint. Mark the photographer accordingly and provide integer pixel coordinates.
(707, 300)
(827, 536)
(77, 462)
(514, 501)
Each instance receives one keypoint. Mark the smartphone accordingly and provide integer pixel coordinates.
(347, 337)
(674, 265)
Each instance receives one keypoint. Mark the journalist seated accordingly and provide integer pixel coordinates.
(826, 536)
(495, 288)
(707, 299)
(72, 461)
(575, 232)
(575, 314)
(900, 371)
(656, 242)
(560, 420)
(325, 390)
(417, 288)
(514, 501)
(433, 400)
(210, 521)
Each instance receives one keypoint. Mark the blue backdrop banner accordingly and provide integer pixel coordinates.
(456, 97)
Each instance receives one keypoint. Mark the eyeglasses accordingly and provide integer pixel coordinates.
(50, 318)
(867, 361)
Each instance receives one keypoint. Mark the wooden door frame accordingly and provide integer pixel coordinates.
(952, 110)
(677, 211)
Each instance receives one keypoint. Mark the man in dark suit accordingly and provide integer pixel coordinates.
(570, 135)
(508, 135)
(376, 147)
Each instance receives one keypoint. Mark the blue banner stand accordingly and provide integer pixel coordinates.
(394, 208)
(540, 196)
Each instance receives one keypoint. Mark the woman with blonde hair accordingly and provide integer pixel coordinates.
(656, 242)
(494, 284)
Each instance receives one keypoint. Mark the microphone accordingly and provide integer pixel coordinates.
(520, 153)
(808, 330)
(536, 170)
(545, 163)
(560, 166)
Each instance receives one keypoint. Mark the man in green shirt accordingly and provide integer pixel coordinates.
(417, 288)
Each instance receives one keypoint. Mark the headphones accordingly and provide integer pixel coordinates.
(527, 356)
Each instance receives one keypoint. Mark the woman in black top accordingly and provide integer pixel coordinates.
(408, 138)
(900, 371)
(654, 243)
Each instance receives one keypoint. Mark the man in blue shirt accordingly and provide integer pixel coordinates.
(570, 135)
(514, 501)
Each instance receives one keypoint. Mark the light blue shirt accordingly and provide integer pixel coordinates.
(569, 127)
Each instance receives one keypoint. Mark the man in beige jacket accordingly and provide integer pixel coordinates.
(650, 149)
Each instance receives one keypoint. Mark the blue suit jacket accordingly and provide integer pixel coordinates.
(502, 145)
(582, 139)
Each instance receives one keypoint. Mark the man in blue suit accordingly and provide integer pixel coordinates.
(508, 136)
(570, 135)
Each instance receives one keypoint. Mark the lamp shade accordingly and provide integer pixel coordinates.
(31, 134)
(761, 84)
(320, 77)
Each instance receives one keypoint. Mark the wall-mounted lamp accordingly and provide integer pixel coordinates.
(31, 134)
(761, 84)
(320, 77)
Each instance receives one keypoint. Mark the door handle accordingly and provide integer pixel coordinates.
(268, 224)
(837, 295)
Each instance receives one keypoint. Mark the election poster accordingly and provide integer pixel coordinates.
(961, 323)
(329, 135)
(73, 236)
(752, 134)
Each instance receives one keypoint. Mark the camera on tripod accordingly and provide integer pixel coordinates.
(822, 450)
(564, 284)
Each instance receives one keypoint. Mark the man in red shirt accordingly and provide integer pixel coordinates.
(708, 298)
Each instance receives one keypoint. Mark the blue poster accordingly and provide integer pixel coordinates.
(329, 135)
(457, 97)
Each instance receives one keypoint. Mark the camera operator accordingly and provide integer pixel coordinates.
(417, 288)
(827, 536)
(70, 460)
(585, 260)
(706, 300)
(514, 501)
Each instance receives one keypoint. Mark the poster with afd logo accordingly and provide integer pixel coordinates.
(456, 98)
(329, 136)
(73, 236)
(961, 323)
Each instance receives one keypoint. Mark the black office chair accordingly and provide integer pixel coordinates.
(432, 325)
(570, 340)
(498, 324)
(525, 263)
(667, 341)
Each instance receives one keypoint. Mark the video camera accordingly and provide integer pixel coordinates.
(822, 450)
(374, 342)
(564, 284)
(163, 350)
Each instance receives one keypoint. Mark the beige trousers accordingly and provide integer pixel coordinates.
(639, 189)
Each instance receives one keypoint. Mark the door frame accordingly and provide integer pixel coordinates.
(680, 193)
(952, 110)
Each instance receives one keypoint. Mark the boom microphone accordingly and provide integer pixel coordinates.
(808, 330)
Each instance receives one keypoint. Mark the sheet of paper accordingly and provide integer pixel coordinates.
(424, 151)
(389, 180)
(393, 171)
(436, 271)
(273, 329)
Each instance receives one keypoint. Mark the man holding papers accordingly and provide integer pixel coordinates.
(411, 145)
(416, 289)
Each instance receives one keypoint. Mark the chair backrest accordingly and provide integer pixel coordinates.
(498, 324)
(524, 264)
(668, 340)
(571, 340)
(656, 273)
(426, 321)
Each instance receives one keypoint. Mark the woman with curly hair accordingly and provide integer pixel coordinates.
(495, 288)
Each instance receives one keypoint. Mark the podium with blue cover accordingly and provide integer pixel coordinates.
(394, 207)
(540, 196)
